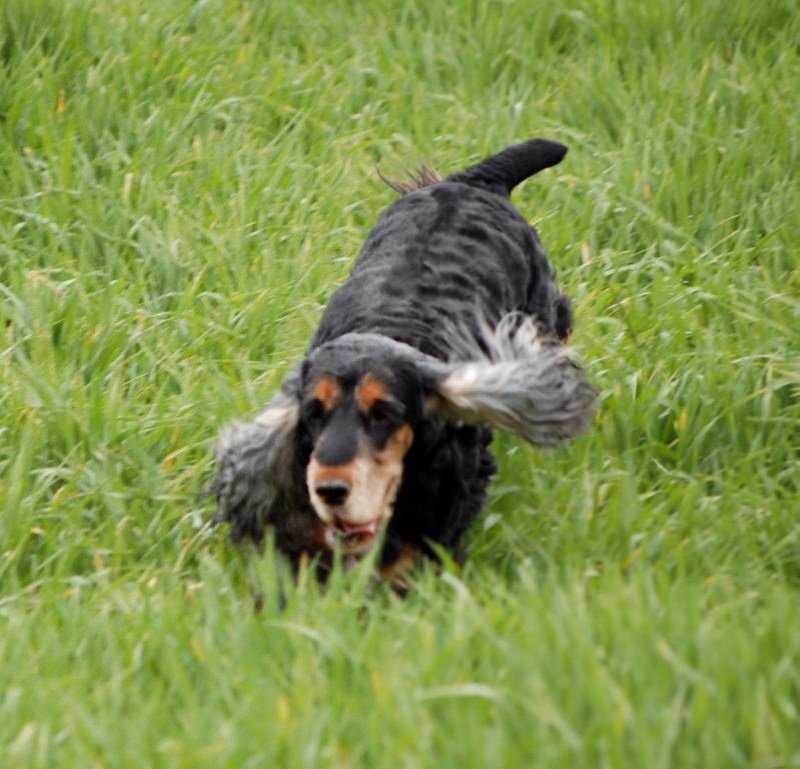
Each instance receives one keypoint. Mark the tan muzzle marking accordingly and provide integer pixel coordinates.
(373, 479)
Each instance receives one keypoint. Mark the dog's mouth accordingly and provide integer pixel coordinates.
(352, 537)
(356, 537)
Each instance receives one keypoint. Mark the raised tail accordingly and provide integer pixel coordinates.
(502, 172)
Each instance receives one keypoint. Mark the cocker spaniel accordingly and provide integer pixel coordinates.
(449, 326)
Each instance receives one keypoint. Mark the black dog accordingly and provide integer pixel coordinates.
(449, 325)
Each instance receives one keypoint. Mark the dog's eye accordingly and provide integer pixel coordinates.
(385, 413)
(314, 412)
(382, 420)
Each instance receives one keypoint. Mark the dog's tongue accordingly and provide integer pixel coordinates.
(370, 529)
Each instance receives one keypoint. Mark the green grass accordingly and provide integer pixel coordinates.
(182, 185)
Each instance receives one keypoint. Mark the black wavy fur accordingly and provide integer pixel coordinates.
(453, 250)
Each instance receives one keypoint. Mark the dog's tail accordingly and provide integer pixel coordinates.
(502, 172)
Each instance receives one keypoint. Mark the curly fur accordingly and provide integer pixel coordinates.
(452, 318)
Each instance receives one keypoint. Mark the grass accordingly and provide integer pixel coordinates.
(183, 185)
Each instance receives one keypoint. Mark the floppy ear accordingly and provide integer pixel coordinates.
(528, 385)
(254, 481)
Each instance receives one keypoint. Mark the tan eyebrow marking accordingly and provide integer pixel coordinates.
(327, 391)
(369, 392)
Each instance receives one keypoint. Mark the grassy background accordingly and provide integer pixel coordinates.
(182, 184)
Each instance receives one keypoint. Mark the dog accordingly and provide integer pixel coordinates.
(450, 326)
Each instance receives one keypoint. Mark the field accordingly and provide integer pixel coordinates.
(183, 184)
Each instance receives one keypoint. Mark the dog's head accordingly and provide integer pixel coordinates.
(355, 404)
(361, 400)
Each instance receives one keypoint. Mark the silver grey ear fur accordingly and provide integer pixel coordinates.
(254, 479)
(527, 384)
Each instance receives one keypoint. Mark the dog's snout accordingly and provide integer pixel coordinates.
(332, 492)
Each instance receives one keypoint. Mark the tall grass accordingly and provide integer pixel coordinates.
(184, 184)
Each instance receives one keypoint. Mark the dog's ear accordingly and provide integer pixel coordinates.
(255, 465)
(529, 385)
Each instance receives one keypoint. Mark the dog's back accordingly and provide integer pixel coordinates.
(450, 257)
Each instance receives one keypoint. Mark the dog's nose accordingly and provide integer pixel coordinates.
(332, 492)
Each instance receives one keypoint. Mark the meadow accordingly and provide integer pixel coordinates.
(183, 184)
